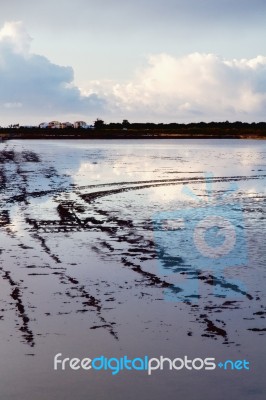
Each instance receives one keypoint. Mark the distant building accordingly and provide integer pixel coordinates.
(54, 125)
(63, 125)
(66, 125)
(80, 124)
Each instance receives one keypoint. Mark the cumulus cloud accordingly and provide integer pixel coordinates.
(31, 83)
(193, 87)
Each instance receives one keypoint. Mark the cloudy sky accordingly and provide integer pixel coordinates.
(141, 60)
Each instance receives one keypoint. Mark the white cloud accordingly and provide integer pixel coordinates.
(32, 84)
(193, 87)
(15, 35)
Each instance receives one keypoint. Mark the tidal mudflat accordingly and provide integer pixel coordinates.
(87, 270)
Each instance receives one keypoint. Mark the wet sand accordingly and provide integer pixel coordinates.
(81, 269)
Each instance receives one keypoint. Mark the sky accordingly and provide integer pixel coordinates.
(142, 60)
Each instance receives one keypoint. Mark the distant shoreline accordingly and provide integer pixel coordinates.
(113, 131)
(132, 138)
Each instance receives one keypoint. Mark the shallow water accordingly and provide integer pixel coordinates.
(102, 253)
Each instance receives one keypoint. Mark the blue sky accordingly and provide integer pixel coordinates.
(147, 60)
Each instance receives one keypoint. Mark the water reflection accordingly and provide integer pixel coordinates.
(84, 267)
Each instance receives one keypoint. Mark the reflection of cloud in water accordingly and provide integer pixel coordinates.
(94, 246)
(17, 220)
(87, 172)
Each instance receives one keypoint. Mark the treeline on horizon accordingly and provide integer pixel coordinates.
(127, 130)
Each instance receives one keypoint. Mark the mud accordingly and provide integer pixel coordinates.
(120, 237)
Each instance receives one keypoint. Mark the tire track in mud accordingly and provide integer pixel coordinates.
(68, 217)
(130, 186)
(147, 278)
(75, 291)
(90, 301)
(16, 295)
(211, 329)
(69, 221)
(90, 197)
(11, 157)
